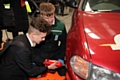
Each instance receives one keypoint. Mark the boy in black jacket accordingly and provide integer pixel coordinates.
(18, 61)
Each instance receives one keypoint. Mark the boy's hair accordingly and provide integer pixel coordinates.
(38, 24)
(47, 8)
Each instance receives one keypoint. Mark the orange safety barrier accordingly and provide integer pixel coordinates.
(67, 77)
(51, 76)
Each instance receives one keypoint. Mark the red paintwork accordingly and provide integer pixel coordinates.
(103, 24)
(47, 62)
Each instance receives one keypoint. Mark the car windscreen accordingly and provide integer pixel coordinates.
(102, 5)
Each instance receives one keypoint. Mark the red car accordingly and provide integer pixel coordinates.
(93, 41)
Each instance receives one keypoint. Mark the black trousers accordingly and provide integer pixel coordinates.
(1, 12)
(0, 36)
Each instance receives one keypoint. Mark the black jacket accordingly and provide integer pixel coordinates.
(17, 62)
(21, 16)
(50, 48)
(1, 13)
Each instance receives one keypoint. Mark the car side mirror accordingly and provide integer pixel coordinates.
(72, 4)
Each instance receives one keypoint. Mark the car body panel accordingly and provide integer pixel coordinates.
(103, 37)
(76, 44)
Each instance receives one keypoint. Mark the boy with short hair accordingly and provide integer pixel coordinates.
(54, 45)
(18, 62)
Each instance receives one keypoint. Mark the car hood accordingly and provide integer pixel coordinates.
(103, 37)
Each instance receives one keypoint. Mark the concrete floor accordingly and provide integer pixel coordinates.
(66, 19)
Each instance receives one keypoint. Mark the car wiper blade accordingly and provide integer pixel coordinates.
(105, 10)
(117, 10)
(102, 10)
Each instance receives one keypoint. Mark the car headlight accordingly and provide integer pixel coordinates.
(79, 66)
(87, 71)
(99, 73)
